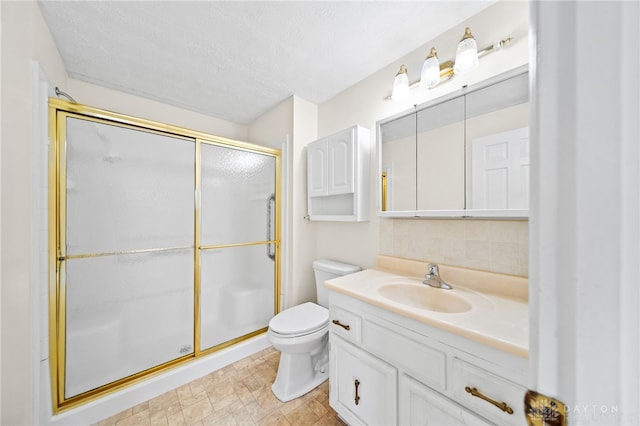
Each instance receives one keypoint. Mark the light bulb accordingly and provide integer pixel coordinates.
(400, 85)
(466, 54)
(430, 76)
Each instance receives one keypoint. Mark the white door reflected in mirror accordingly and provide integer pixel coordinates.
(500, 170)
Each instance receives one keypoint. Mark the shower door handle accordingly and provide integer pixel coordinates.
(271, 254)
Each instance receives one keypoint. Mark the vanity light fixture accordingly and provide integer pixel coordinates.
(466, 54)
(400, 85)
(435, 72)
(430, 76)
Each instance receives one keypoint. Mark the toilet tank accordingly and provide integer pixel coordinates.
(324, 270)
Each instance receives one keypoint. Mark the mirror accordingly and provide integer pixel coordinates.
(397, 147)
(497, 136)
(464, 155)
(440, 156)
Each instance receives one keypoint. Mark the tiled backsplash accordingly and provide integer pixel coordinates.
(490, 245)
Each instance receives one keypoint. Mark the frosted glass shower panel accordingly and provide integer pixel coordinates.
(236, 188)
(126, 314)
(237, 293)
(127, 189)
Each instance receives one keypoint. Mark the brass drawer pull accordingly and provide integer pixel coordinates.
(346, 327)
(501, 405)
(357, 398)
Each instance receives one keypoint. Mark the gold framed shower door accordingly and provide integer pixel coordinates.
(59, 111)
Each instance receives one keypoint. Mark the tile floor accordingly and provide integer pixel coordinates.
(238, 394)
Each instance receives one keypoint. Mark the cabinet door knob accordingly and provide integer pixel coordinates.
(501, 405)
(346, 327)
(357, 398)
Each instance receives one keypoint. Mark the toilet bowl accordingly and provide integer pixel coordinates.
(304, 356)
(301, 334)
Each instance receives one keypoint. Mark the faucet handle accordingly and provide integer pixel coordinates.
(432, 269)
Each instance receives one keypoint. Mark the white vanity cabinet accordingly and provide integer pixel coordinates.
(363, 386)
(421, 405)
(422, 375)
(338, 176)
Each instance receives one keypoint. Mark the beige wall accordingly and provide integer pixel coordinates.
(124, 103)
(294, 119)
(305, 130)
(365, 103)
(25, 37)
(274, 126)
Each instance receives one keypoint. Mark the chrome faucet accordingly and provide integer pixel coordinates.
(433, 279)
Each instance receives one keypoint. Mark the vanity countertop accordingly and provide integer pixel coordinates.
(499, 314)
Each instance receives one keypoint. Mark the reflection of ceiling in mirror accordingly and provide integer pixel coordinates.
(441, 115)
(399, 128)
(503, 94)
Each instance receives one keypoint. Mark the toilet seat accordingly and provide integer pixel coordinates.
(300, 320)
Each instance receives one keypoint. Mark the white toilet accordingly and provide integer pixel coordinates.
(301, 334)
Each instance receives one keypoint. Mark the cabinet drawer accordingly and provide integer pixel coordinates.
(423, 362)
(467, 377)
(345, 324)
(420, 405)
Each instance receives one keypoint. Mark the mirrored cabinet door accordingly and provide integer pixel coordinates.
(463, 155)
(440, 156)
(398, 165)
(497, 139)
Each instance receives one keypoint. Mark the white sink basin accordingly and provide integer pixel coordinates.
(425, 297)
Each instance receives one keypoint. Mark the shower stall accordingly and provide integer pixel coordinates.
(164, 246)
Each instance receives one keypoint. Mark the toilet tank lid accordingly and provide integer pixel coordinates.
(335, 267)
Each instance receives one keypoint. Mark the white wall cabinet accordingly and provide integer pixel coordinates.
(421, 375)
(318, 168)
(341, 162)
(338, 176)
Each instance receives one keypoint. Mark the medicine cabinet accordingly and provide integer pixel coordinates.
(338, 176)
(463, 155)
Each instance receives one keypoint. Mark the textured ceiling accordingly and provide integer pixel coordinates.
(236, 60)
